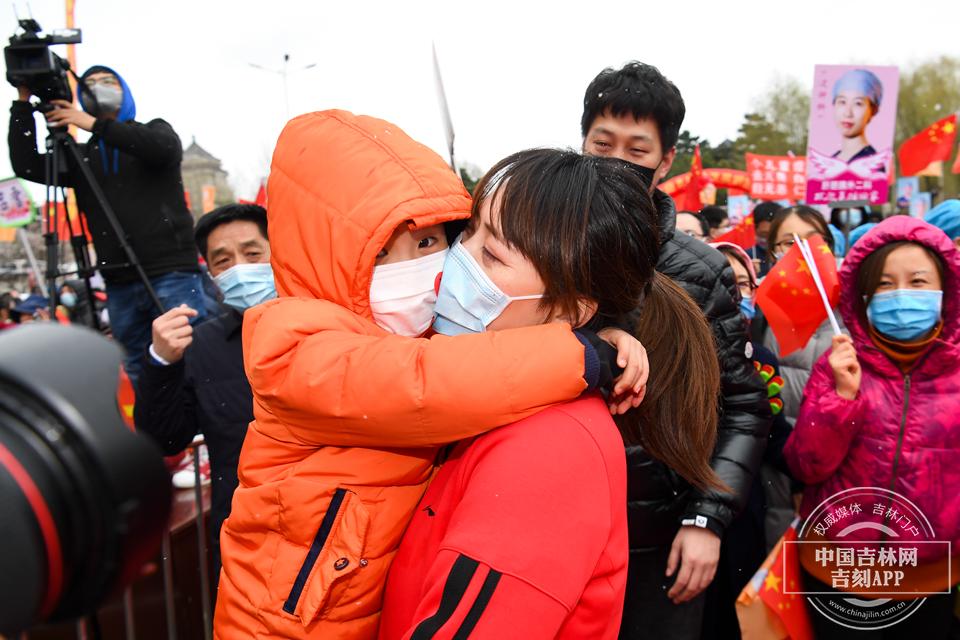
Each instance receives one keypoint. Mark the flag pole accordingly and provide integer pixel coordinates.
(444, 110)
(815, 272)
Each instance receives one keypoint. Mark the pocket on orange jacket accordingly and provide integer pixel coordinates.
(332, 560)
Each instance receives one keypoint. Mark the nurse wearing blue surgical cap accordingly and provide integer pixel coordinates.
(860, 231)
(946, 217)
(856, 99)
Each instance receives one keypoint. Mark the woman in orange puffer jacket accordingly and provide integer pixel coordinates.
(314, 524)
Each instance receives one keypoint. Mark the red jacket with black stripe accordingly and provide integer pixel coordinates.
(522, 534)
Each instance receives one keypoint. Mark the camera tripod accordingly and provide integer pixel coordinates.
(59, 142)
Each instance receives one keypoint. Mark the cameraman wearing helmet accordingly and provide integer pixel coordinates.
(137, 165)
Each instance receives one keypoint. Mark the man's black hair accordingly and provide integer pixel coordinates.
(704, 225)
(714, 215)
(639, 90)
(223, 215)
(765, 211)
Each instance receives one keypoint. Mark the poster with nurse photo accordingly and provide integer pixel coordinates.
(853, 112)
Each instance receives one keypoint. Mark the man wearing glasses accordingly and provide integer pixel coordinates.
(138, 167)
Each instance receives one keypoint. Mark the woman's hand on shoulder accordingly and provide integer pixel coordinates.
(631, 386)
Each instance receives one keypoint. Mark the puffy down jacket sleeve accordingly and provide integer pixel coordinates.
(826, 425)
(335, 378)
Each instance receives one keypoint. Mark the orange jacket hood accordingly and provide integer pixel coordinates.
(339, 185)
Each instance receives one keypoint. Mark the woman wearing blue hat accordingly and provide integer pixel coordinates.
(856, 99)
(946, 217)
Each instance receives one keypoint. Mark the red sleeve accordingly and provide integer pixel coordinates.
(533, 492)
(467, 597)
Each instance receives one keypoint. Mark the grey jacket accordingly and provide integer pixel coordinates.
(795, 368)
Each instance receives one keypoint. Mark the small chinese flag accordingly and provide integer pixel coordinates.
(764, 610)
(956, 164)
(690, 199)
(261, 195)
(932, 144)
(743, 235)
(261, 198)
(789, 296)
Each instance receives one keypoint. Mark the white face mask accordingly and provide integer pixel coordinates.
(402, 294)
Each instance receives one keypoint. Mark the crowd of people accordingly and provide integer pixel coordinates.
(549, 409)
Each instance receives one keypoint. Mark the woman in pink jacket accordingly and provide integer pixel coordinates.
(882, 408)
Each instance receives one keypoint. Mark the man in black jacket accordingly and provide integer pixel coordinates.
(138, 167)
(193, 379)
(635, 114)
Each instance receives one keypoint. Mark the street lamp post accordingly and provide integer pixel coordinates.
(284, 72)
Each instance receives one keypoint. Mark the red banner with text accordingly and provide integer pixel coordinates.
(777, 177)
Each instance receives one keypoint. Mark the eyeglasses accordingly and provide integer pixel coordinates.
(746, 289)
(694, 234)
(785, 245)
(107, 81)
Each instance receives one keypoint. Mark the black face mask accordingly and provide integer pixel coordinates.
(646, 174)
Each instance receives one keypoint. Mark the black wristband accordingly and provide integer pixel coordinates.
(607, 359)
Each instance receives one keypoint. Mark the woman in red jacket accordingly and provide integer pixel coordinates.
(523, 532)
(349, 410)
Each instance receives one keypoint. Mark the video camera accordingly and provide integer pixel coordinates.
(31, 63)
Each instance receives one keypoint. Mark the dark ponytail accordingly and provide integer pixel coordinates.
(677, 420)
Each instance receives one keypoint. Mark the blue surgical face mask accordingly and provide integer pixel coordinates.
(468, 300)
(747, 307)
(246, 285)
(69, 300)
(905, 314)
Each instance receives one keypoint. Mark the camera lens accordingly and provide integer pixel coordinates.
(85, 501)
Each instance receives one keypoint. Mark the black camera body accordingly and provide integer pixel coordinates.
(31, 63)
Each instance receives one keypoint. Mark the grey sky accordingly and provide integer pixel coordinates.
(515, 71)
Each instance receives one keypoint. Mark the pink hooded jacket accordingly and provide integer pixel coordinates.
(902, 432)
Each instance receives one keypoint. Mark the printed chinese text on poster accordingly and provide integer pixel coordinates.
(850, 149)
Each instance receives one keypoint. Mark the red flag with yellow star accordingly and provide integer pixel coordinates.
(690, 200)
(930, 145)
(744, 234)
(789, 296)
(765, 612)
